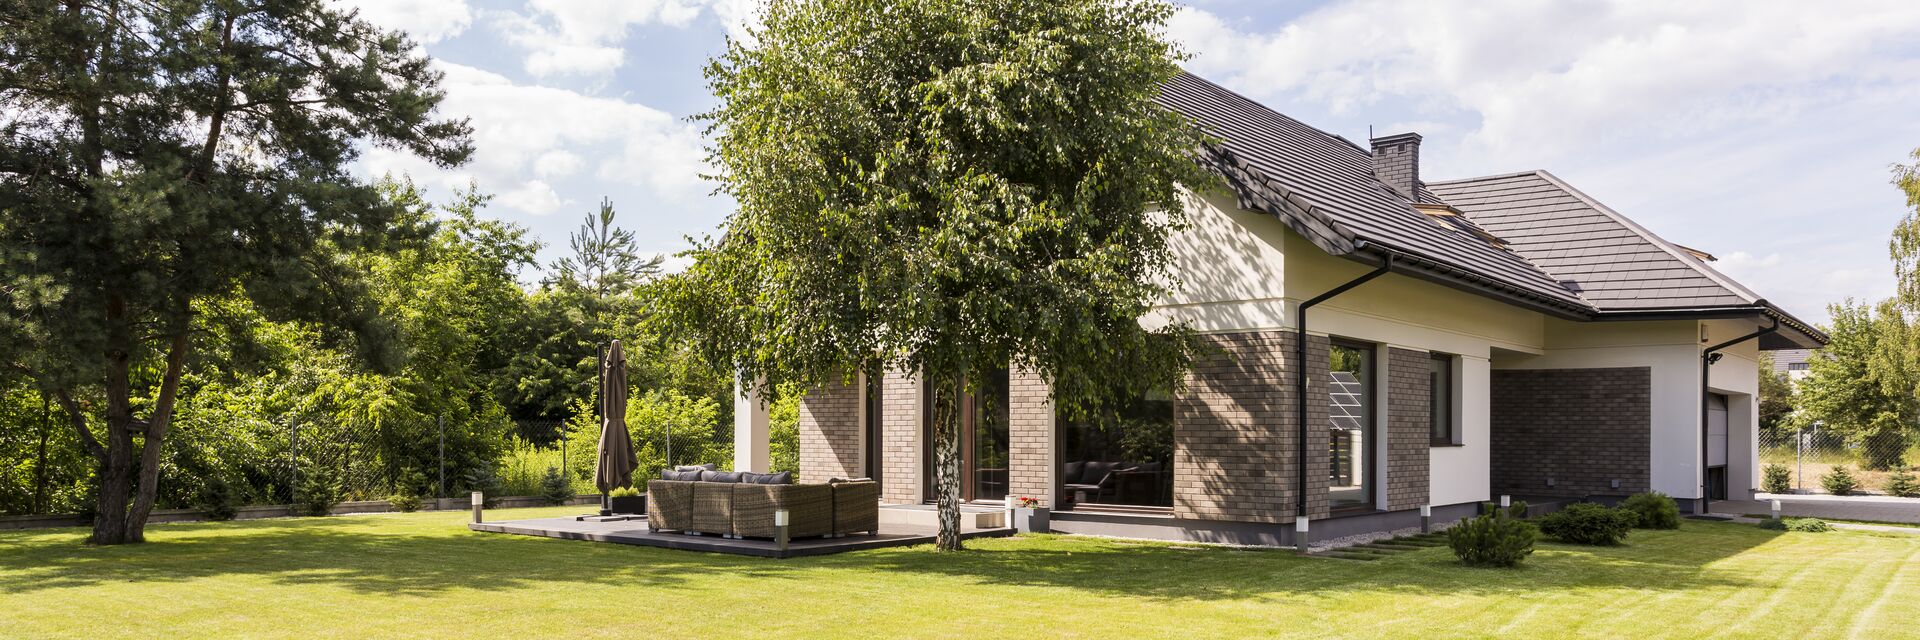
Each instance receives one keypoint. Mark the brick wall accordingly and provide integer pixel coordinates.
(830, 438)
(1583, 428)
(899, 438)
(1030, 436)
(1236, 431)
(1409, 436)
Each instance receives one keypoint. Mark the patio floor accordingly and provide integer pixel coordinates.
(635, 532)
(1863, 508)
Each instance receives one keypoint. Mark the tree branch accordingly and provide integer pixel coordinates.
(79, 420)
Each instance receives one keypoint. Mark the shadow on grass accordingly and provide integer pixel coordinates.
(397, 556)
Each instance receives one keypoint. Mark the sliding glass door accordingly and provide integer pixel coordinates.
(1350, 433)
(983, 441)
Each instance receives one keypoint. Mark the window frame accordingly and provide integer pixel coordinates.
(1450, 418)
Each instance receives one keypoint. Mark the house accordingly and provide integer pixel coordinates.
(1465, 339)
(1793, 362)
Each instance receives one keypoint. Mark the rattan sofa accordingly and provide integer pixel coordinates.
(747, 510)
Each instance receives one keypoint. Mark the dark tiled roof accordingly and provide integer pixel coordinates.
(1615, 263)
(1302, 170)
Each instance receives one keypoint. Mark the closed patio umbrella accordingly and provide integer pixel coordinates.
(617, 462)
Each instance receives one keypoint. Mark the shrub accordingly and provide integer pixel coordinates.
(624, 492)
(404, 502)
(1778, 479)
(1493, 539)
(1840, 481)
(318, 493)
(555, 486)
(1652, 510)
(1903, 484)
(483, 479)
(218, 500)
(1589, 523)
(1802, 525)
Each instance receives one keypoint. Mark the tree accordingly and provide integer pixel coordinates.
(1862, 383)
(1905, 246)
(1777, 396)
(947, 188)
(166, 153)
(606, 259)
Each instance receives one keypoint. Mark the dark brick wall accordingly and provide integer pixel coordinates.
(1408, 435)
(1583, 428)
(1029, 436)
(830, 442)
(1235, 431)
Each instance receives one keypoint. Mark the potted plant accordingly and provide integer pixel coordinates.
(1029, 516)
(627, 501)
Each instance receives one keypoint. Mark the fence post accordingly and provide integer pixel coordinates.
(1800, 459)
(293, 428)
(40, 466)
(442, 492)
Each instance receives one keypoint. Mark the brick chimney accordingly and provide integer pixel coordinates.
(1396, 162)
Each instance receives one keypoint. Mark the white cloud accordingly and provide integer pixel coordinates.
(428, 21)
(588, 37)
(528, 139)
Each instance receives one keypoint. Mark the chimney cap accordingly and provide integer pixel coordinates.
(1397, 138)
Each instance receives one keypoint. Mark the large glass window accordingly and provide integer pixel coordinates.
(1440, 383)
(1350, 409)
(1119, 457)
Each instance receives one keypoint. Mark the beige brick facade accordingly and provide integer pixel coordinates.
(1030, 436)
(831, 440)
(900, 438)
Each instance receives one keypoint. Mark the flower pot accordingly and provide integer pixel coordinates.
(629, 505)
(1031, 519)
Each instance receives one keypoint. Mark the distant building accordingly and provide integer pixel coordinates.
(1793, 362)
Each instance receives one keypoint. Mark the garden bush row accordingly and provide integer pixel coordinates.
(1504, 538)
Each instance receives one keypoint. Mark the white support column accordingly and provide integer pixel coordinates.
(750, 431)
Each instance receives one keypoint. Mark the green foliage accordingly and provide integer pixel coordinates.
(1778, 397)
(218, 500)
(483, 479)
(319, 492)
(1802, 525)
(1903, 484)
(160, 157)
(651, 416)
(1652, 510)
(404, 502)
(1493, 539)
(624, 492)
(1776, 478)
(1840, 481)
(942, 188)
(1862, 384)
(1589, 523)
(555, 486)
(783, 434)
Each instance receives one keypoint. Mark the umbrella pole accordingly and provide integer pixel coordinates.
(600, 368)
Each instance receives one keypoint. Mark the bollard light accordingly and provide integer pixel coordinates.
(780, 537)
(1506, 501)
(1300, 532)
(479, 500)
(1426, 518)
(1776, 509)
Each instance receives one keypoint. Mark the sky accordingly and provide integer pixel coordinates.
(1760, 131)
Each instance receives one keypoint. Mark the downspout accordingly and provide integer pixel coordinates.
(1709, 356)
(1300, 360)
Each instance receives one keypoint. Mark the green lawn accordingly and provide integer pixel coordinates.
(426, 575)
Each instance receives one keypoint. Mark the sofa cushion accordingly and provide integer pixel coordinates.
(841, 480)
(1096, 472)
(749, 477)
(698, 467)
(684, 476)
(720, 476)
(1070, 472)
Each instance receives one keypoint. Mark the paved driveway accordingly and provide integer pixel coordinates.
(1868, 508)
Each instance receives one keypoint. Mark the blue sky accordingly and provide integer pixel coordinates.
(1759, 131)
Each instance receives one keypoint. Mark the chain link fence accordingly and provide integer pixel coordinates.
(1813, 453)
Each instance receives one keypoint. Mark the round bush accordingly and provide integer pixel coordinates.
(1653, 510)
(1778, 479)
(1589, 523)
(1840, 481)
(1493, 539)
(1802, 525)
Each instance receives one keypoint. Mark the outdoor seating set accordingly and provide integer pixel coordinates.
(1124, 482)
(703, 500)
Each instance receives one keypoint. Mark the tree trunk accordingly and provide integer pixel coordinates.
(156, 435)
(947, 396)
(116, 469)
(40, 462)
